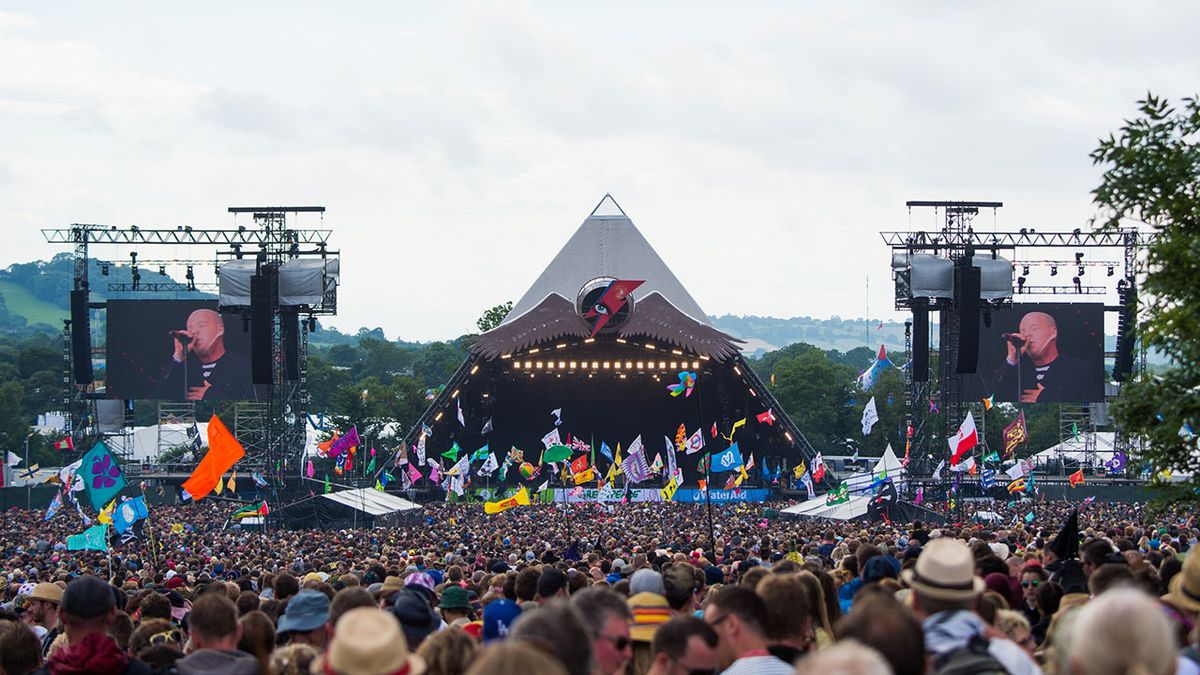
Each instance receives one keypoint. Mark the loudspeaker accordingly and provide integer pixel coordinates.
(920, 341)
(1126, 332)
(81, 337)
(261, 333)
(289, 332)
(966, 301)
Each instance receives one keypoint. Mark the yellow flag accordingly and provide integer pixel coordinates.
(105, 515)
(742, 475)
(177, 529)
(585, 476)
(668, 491)
(519, 499)
(231, 486)
(798, 472)
(220, 485)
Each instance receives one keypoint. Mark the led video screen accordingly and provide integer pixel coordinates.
(177, 350)
(1041, 353)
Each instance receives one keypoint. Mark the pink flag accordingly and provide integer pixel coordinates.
(920, 496)
(413, 473)
(310, 471)
(434, 471)
(372, 451)
(344, 443)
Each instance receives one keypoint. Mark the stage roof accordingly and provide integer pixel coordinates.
(372, 501)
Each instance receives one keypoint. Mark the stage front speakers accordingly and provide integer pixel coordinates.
(966, 301)
(81, 337)
(289, 332)
(920, 341)
(1126, 332)
(261, 333)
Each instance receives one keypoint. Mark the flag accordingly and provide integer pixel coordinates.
(481, 453)
(371, 466)
(657, 465)
(1016, 486)
(920, 498)
(421, 446)
(1118, 461)
(489, 466)
(767, 418)
(750, 462)
(808, 485)
(1089, 500)
(933, 408)
(869, 417)
(579, 464)
(686, 382)
(1075, 430)
(695, 442)
(742, 476)
(557, 413)
(105, 515)
(1015, 434)
(635, 466)
(230, 485)
(968, 465)
(989, 402)
(310, 470)
(343, 444)
(714, 430)
(1015, 471)
(65, 444)
(839, 495)
(668, 491)
(94, 538)
(992, 456)
(586, 476)
(12, 459)
(799, 470)
(521, 498)
(461, 419)
(734, 428)
(328, 487)
(962, 442)
(1076, 479)
(1029, 517)
(818, 468)
(937, 473)
(461, 467)
(55, 504)
(259, 481)
(414, 474)
(223, 452)
(610, 301)
(551, 439)
(487, 428)
(103, 479)
(727, 460)
(452, 453)
(672, 467)
(555, 454)
(988, 479)
(604, 450)
(731, 482)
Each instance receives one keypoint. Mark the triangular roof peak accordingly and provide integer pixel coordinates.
(607, 244)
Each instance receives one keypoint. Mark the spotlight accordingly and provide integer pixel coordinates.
(1054, 270)
(1020, 284)
(191, 280)
(1078, 285)
(1110, 270)
(162, 270)
(1078, 256)
(137, 278)
(1025, 270)
(104, 270)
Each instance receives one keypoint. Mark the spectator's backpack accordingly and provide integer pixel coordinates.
(969, 659)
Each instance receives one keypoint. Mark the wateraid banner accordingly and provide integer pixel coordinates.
(745, 495)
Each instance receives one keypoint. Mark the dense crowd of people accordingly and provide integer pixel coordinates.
(603, 589)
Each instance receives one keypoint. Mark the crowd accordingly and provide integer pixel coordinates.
(1052, 587)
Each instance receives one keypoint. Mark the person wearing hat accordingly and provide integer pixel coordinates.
(367, 641)
(498, 618)
(417, 618)
(650, 610)
(455, 604)
(391, 585)
(304, 621)
(86, 612)
(945, 592)
(1183, 592)
(43, 613)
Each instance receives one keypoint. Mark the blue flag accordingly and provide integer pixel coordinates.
(103, 479)
(605, 451)
(129, 512)
(1029, 517)
(481, 453)
(728, 460)
(94, 538)
(988, 479)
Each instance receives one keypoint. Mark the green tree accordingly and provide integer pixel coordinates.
(1152, 176)
(492, 317)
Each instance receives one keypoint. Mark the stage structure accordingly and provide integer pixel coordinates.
(586, 357)
(968, 277)
(261, 292)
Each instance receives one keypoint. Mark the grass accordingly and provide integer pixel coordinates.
(20, 301)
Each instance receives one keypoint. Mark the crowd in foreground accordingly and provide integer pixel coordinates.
(606, 589)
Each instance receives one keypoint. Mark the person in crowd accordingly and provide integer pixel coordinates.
(42, 611)
(448, 652)
(306, 619)
(213, 635)
(157, 642)
(881, 622)
(847, 657)
(945, 592)
(739, 618)
(367, 641)
(607, 617)
(683, 646)
(557, 629)
(515, 656)
(1122, 632)
(88, 608)
(20, 649)
(788, 629)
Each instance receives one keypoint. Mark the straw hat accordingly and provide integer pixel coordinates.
(368, 641)
(945, 571)
(1184, 591)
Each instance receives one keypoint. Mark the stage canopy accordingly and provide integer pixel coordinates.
(372, 502)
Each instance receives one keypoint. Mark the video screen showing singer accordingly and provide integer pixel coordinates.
(200, 367)
(1035, 371)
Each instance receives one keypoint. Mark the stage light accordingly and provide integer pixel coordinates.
(191, 278)
(1078, 257)
(629, 365)
(562, 364)
(104, 270)
(137, 278)
(162, 270)
(589, 341)
(753, 393)
(641, 365)
(662, 365)
(607, 364)
(561, 346)
(676, 352)
(475, 369)
(534, 351)
(622, 376)
(788, 436)
(1025, 270)
(1081, 270)
(695, 365)
(454, 394)
(438, 416)
(517, 365)
(1054, 270)
(1078, 285)
(621, 341)
(1110, 270)
(528, 365)
(539, 365)
(573, 365)
(649, 346)
(506, 356)
(674, 365)
(737, 370)
(550, 365)
(595, 364)
(1020, 284)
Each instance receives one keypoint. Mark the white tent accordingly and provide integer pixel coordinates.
(858, 482)
(859, 485)
(372, 501)
(1075, 450)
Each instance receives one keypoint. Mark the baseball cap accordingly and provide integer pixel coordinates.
(498, 618)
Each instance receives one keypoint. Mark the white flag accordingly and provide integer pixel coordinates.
(421, 449)
(461, 467)
(1015, 471)
(461, 419)
(13, 459)
(937, 473)
(808, 485)
(964, 466)
(557, 412)
(551, 438)
(671, 460)
(695, 442)
(870, 416)
(489, 465)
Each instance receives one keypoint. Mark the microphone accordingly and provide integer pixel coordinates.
(181, 336)
(1014, 338)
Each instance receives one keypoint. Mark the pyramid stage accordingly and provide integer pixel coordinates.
(582, 356)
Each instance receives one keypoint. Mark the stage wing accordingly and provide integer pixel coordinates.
(554, 317)
(657, 318)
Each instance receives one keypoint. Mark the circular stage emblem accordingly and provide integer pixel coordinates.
(605, 303)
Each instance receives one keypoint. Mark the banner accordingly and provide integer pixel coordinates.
(655, 495)
(1015, 434)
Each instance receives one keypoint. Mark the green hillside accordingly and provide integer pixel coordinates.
(22, 303)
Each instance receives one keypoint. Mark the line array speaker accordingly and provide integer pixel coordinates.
(966, 300)
(920, 341)
(261, 333)
(81, 337)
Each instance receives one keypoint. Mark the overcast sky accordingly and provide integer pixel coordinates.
(458, 145)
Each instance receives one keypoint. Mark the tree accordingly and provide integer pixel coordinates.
(1152, 176)
(492, 317)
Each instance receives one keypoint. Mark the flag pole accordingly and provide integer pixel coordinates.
(712, 539)
(150, 528)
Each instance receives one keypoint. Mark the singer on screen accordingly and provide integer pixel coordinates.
(1036, 370)
(200, 367)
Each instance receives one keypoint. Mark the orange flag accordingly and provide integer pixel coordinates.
(223, 452)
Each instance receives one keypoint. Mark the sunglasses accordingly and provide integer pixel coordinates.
(1028, 583)
(620, 642)
(173, 635)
